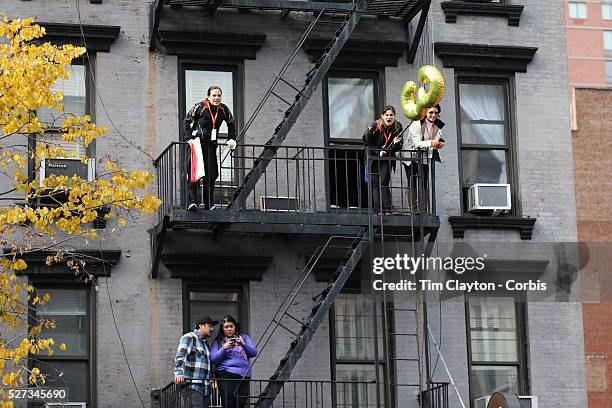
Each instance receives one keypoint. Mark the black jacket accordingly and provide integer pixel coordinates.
(376, 137)
(199, 119)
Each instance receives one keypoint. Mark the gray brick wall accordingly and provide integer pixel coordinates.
(140, 91)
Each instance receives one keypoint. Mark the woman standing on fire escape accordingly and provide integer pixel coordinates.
(203, 121)
(383, 136)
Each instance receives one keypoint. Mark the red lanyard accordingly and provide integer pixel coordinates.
(387, 137)
(213, 118)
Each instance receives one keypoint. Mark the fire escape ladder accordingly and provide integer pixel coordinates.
(353, 252)
(313, 79)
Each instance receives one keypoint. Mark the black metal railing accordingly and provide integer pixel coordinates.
(307, 179)
(436, 396)
(295, 393)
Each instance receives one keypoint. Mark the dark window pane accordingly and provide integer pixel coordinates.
(482, 114)
(213, 304)
(73, 375)
(214, 296)
(486, 380)
(483, 166)
(347, 187)
(354, 331)
(68, 308)
(351, 106)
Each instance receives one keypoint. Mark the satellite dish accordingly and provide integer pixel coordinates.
(504, 400)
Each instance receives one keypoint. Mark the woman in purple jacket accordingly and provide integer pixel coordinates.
(230, 354)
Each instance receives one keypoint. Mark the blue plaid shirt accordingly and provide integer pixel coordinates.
(193, 361)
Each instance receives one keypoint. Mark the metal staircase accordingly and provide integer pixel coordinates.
(313, 79)
(353, 251)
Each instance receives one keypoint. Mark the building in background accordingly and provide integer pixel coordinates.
(507, 122)
(589, 52)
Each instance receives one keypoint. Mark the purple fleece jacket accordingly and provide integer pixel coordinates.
(232, 360)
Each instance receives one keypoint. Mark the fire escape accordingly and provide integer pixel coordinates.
(279, 192)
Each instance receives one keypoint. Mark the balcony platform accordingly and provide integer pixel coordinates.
(291, 202)
(296, 221)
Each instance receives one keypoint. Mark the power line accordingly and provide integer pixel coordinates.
(110, 303)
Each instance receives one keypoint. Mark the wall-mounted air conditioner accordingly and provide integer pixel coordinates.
(67, 167)
(66, 405)
(527, 401)
(267, 203)
(483, 197)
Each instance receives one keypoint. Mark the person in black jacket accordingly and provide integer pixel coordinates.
(383, 136)
(203, 121)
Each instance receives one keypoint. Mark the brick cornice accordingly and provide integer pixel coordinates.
(460, 223)
(483, 57)
(98, 38)
(226, 45)
(453, 8)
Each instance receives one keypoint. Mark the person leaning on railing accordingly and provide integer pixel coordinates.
(192, 363)
(423, 134)
(383, 136)
(230, 354)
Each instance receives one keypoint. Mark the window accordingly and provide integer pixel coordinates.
(350, 105)
(196, 81)
(495, 336)
(71, 309)
(353, 349)
(78, 101)
(485, 138)
(577, 10)
(606, 10)
(351, 100)
(75, 103)
(216, 302)
(609, 72)
(607, 41)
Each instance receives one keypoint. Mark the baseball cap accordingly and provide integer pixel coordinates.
(205, 320)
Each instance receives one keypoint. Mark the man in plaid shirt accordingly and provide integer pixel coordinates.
(192, 363)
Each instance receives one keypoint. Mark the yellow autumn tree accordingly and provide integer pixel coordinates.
(29, 69)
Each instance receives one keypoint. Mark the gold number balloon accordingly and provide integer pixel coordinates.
(415, 103)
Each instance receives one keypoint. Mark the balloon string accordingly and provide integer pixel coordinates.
(431, 25)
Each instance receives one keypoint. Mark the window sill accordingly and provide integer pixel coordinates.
(453, 8)
(461, 223)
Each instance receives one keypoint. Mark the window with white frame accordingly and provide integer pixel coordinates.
(606, 10)
(577, 10)
(607, 40)
(609, 72)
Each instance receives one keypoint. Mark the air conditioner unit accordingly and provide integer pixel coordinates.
(66, 405)
(279, 203)
(67, 167)
(489, 197)
(527, 401)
